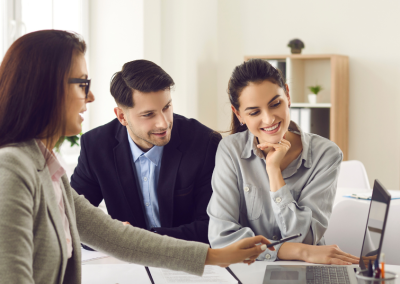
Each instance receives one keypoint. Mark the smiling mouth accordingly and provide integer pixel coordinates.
(160, 134)
(273, 129)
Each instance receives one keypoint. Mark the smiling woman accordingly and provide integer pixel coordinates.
(38, 111)
(43, 92)
(270, 177)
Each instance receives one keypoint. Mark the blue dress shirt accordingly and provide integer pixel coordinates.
(148, 171)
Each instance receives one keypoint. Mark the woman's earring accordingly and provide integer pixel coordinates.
(241, 123)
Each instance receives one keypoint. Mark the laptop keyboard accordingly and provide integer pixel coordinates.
(327, 275)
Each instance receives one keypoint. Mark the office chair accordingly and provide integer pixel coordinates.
(353, 175)
(347, 226)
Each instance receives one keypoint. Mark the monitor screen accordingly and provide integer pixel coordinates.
(373, 236)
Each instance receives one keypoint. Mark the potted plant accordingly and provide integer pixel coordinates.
(296, 46)
(73, 140)
(312, 98)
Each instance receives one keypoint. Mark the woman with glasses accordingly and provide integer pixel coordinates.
(44, 89)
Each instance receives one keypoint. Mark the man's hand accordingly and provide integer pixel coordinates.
(246, 250)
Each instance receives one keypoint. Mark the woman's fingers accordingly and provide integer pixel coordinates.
(348, 257)
(254, 257)
(253, 241)
(338, 261)
(283, 143)
(255, 251)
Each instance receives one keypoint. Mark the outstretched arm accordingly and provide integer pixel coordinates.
(139, 246)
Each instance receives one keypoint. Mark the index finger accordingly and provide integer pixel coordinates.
(250, 242)
(352, 256)
(267, 144)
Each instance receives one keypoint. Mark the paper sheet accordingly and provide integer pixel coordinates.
(212, 275)
(88, 255)
(114, 273)
(368, 195)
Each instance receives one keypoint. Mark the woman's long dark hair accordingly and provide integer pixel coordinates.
(252, 71)
(33, 78)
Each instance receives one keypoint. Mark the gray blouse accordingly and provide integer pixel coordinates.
(242, 204)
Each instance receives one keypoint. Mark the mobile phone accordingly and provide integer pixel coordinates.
(283, 240)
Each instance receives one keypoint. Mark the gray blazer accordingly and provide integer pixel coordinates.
(32, 241)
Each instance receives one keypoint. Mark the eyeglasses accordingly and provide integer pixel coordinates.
(85, 82)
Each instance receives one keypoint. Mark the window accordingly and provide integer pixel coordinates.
(18, 17)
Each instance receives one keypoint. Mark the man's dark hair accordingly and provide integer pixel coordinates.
(138, 75)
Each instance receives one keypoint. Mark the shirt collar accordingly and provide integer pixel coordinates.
(54, 166)
(154, 154)
(251, 145)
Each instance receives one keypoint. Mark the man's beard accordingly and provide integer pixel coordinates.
(154, 142)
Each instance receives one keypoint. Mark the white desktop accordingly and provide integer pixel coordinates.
(97, 266)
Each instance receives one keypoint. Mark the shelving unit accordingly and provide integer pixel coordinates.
(330, 115)
(308, 105)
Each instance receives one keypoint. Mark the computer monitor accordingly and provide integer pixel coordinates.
(374, 231)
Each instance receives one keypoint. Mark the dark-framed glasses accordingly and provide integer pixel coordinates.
(84, 82)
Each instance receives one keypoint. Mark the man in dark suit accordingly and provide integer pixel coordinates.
(153, 168)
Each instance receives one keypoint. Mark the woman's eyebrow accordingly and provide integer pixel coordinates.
(250, 108)
(273, 99)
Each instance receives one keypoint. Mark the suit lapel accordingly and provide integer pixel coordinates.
(126, 174)
(166, 183)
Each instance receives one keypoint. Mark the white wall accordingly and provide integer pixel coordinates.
(189, 55)
(199, 42)
(366, 31)
(116, 37)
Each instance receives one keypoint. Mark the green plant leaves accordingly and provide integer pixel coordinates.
(315, 89)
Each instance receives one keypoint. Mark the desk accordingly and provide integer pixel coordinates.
(255, 273)
(252, 274)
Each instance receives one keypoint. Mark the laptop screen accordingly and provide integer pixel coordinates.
(375, 228)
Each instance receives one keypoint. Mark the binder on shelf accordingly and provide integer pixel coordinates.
(279, 64)
(295, 115)
(305, 119)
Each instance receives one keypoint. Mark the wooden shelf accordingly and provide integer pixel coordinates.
(295, 56)
(332, 72)
(307, 105)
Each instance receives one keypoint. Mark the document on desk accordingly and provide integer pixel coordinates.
(395, 194)
(114, 273)
(211, 275)
(88, 255)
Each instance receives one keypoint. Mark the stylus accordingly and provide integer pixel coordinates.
(283, 240)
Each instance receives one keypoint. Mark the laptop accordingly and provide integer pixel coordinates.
(371, 249)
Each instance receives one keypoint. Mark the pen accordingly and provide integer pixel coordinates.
(370, 271)
(283, 240)
(377, 271)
